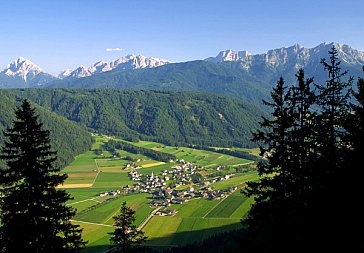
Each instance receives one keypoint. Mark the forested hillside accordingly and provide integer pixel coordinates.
(68, 138)
(173, 118)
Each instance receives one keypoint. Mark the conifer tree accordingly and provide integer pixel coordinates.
(302, 137)
(333, 100)
(277, 218)
(353, 210)
(355, 123)
(297, 200)
(331, 142)
(266, 214)
(33, 213)
(126, 236)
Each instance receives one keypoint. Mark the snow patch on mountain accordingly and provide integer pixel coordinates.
(22, 68)
(297, 56)
(128, 62)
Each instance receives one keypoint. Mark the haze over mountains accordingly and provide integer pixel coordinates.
(234, 73)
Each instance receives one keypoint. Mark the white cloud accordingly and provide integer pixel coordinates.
(114, 49)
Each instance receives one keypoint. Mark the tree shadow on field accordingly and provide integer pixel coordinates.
(174, 240)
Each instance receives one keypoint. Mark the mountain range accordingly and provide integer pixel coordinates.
(128, 62)
(234, 73)
(22, 73)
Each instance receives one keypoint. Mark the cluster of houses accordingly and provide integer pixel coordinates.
(132, 166)
(110, 193)
(164, 187)
(166, 212)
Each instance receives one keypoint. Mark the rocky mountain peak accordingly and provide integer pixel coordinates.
(295, 56)
(22, 68)
(128, 62)
(229, 55)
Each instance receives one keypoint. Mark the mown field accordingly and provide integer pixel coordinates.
(97, 171)
(197, 219)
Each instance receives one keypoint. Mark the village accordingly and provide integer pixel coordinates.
(164, 187)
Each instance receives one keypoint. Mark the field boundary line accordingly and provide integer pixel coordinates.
(118, 210)
(242, 164)
(145, 222)
(214, 218)
(204, 217)
(83, 201)
(98, 172)
(92, 223)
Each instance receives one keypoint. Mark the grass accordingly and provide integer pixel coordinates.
(156, 169)
(104, 213)
(112, 179)
(195, 208)
(200, 157)
(96, 236)
(227, 207)
(160, 230)
(235, 181)
(178, 231)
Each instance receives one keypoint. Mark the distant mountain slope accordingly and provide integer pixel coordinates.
(285, 62)
(68, 138)
(238, 74)
(174, 118)
(202, 76)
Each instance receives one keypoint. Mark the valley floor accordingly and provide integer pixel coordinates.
(99, 182)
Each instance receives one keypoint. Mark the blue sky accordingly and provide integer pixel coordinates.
(65, 34)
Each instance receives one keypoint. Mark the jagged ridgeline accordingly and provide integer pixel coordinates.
(67, 137)
(173, 118)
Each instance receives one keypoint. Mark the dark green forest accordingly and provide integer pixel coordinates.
(67, 137)
(169, 117)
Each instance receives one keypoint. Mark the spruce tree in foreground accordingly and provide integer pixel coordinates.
(286, 143)
(126, 236)
(33, 213)
(353, 211)
(299, 200)
(329, 186)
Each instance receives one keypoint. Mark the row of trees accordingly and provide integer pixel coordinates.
(236, 153)
(34, 216)
(308, 195)
(159, 156)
